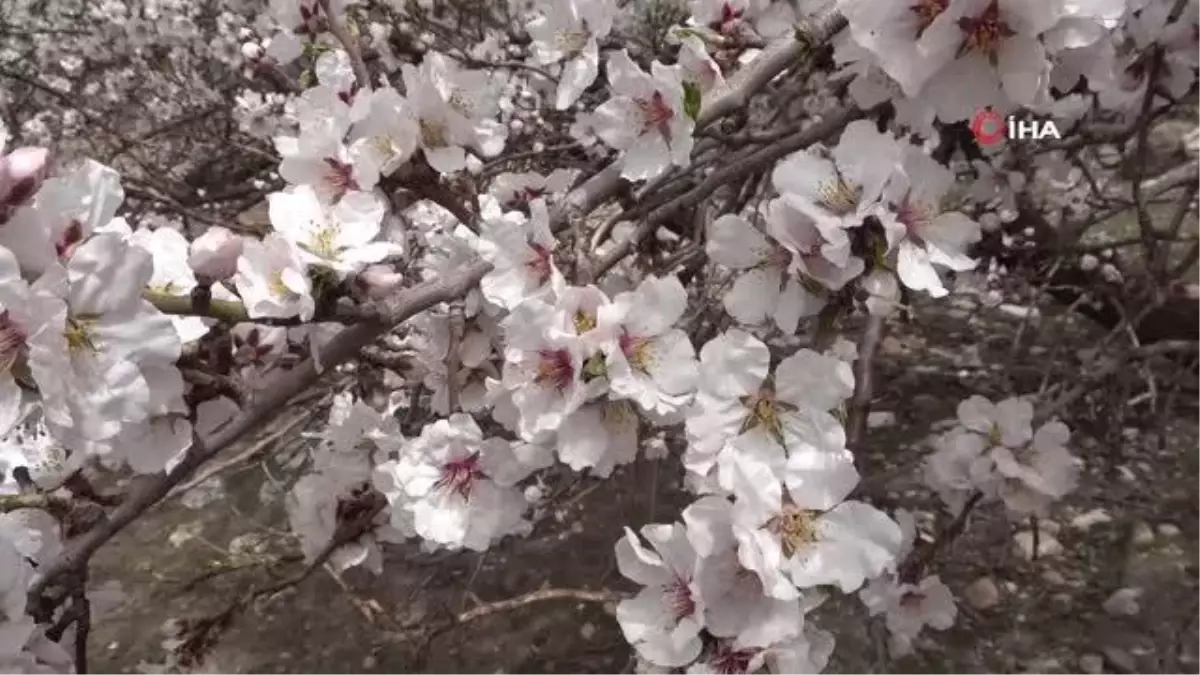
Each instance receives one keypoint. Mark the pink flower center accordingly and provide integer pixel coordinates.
(12, 341)
(555, 369)
(679, 599)
(339, 176)
(727, 660)
(459, 476)
(984, 33)
(656, 114)
(70, 239)
(540, 262)
(913, 215)
(927, 11)
(729, 16)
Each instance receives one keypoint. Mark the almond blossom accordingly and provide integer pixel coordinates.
(272, 279)
(909, 608)
(66, 210)
(745, 415)
(90, 371)
(319, 160)
(451, 480)
(765, 289)
(521, 251)
(454, 110)
(645, 118)
(840, 192)
(654, 364)
(568, 31)
(663, 622)
(339, 237)
(928, 231)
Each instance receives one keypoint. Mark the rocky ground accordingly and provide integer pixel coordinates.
(1131, 525)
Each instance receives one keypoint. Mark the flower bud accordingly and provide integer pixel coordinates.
(215, 253)
(380, 281)
(21, 174)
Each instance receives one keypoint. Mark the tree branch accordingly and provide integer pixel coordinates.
(148, 490)
(337, 26)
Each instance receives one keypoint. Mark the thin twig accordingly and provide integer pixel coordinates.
(337, 26)
(860, 402)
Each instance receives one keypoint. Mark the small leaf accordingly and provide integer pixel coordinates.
(691, 100)
(595, 367)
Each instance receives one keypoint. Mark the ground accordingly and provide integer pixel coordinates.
(1132, 523)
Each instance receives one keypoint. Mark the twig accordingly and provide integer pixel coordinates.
(860, 402)
(914, 568)
(734, 171)
(578, 594)
(254, 450)
(1154, 349)
(233, 311)
(1145, 225)
(337, 26)
(454, 353)
(146, 491)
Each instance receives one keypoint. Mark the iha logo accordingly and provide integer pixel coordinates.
(990, 128)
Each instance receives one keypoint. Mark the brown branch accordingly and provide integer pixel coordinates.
(860, 402)
(914, 568)
(453, 354)
(337, 26)
(739, 169)
(233, 311)
(148, 490)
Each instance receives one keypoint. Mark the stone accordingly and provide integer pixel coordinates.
(1048, 546)
(587, 631)
(1168, 530)
(982, 594)
(1053, 577)
(1085, 521)
(1121, 659)
(1143, 535)
(1124, 602)
(1093, 664)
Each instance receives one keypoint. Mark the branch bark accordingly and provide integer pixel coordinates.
(146, 491)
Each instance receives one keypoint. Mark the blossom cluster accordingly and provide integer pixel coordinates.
(537, 366)
(994, 451)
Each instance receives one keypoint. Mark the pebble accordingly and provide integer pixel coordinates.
(1093, 664)
(1142, 534)
(1168, 530)
(1048, 546)
(1085, 521)
(1054, 577)
(1121, 658)
(369, 662)
(1017, 311)
(1127, 474)
(982, 593)
(1124, 602)
(587, 631)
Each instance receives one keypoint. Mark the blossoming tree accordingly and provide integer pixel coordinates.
(541, 249)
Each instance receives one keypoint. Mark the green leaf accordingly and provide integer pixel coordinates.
(595, 367)
(691, 100)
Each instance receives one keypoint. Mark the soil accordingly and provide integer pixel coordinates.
(1048, 616)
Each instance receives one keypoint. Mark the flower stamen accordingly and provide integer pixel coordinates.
(555, 369)
(984, 33)
(459, 476)
(12, 341)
